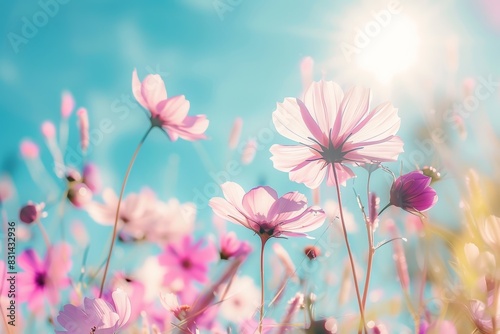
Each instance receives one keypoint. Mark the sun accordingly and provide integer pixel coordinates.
(394, 51)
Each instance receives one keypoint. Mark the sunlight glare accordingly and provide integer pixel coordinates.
(393, 52)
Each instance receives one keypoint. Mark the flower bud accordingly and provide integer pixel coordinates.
(67, 104)
(79, 195)
(29, 213)
(92, 177)
(234, 137)
(29, 150)
(72, 175)
(432, 172)
(83, 122)
(312, 252)
(412, 192)
(48, 130)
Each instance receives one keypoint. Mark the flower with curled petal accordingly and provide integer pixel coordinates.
(332, 130)
(261, 211)
(96, 315)
(169, 114)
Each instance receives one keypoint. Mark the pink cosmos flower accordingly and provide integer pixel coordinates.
(135, 213)
(481, 314)
(333, 129)
(144, 217)
(134, 290)
(96, 316)
(231, 247)
(170, 114)
(187, 260)
(171, 221)
(412, 192)
(43, 279)
(261, 211)
(241, 299)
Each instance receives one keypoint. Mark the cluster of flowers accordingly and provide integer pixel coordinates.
(334, 132)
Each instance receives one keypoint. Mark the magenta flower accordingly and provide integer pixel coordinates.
(43, 279)
(96, 316)
(333, 129)
(170, 114)
(261, 211)
(231, 247)
(187, 260)
(412, 192)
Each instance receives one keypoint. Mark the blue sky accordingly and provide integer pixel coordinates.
(238, 63)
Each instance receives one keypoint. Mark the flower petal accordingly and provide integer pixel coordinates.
(323, 100)
(286, 158)
(287, 206)
(136, 90)
(382, 122)
(122, 307)
(311, 173)
(343, 174)
(191, 128)
(173, 110)
(153, 91)
(258, 202)
(354, 107)
(310, 220)
(384, 150)
(289, 123)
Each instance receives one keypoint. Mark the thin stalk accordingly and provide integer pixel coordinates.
(411, 309)
(368, 269)
(383, 209)
(44, 233)
(351, 260)
(371, 251)
(261, 316)
(115, 226)
(62, 204)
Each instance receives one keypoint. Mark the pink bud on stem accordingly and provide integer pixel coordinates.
(83, 123)
(234, 137)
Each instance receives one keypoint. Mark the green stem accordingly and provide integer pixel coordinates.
(351, 260)
(115, 226)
